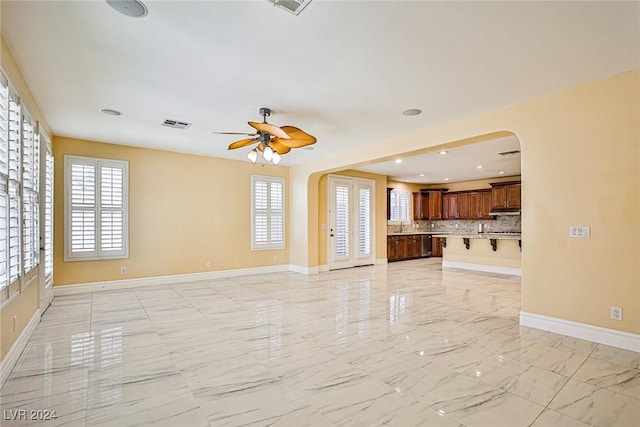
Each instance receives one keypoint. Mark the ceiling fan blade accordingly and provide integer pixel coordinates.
(270, 129)
(235, 133)
(278, 147)
(299, 138)
(242, 143)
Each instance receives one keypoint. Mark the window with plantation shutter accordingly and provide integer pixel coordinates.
(399, 202)
(267, 212)
(30, 189)
(343, 223)
(96, 197)
(13, 185)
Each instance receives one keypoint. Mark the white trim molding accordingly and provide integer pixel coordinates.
(307, 271)
(381, 261)
(483, 267)
(7, 364)
(323, 268)
(82, 288)
(619, 339)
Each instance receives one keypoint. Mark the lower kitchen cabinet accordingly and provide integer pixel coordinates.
(436, 247)
(404, 247)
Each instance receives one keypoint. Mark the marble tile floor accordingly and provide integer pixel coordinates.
(403, 345)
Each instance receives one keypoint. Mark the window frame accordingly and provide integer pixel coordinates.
(98, 254)
(399, 220)
(270, 245)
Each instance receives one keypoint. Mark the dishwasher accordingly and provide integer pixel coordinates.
(426, 245)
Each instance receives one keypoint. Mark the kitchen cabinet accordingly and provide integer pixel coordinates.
(455, 205)
(479, 204)
(506, 195)
(436, 247)
(427, 204)
(404, 247)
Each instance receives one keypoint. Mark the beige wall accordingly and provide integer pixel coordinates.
(25, 304)
(184, 210)
(580, 166)
(380, 213)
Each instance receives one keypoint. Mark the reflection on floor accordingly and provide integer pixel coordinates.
(402, 345)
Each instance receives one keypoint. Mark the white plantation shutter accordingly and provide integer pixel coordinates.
(342, 220)
(267, 212)
(96, 193)
(48, 223)
(4, 185)
(399, 203)
(14, 217)
(30, 208)
(364, 221)
(14, 231)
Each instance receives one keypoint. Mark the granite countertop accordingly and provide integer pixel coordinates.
(503, 236)
(411, 233)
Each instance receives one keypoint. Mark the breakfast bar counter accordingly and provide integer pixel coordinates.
(489, 252)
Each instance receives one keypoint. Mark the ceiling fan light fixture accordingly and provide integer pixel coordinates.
(253, 156)
(268, 154)
(276, 158)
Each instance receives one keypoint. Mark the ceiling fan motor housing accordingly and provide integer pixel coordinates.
(265, 112)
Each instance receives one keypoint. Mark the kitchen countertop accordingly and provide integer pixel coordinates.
(502, 236)
(411, 233)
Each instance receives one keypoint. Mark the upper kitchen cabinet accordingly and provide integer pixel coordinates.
(427, 204)
(506, 195)
(480, 204)
(455, 205)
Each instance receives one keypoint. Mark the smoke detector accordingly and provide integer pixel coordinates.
(292, 6)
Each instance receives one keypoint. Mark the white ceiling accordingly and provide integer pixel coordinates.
(341, 70)
(455, 165)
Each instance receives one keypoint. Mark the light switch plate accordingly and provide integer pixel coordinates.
(580, 232)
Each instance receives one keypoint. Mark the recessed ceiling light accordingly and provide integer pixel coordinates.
(411, 112)
(421, 174)
(110, 112)
(132, 8)
(501, 172)
(443, 152)
(398, 161)
(446, 179)
(479, 167)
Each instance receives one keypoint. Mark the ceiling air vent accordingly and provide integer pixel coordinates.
(175, 124)
(293, 6)
(510, 153)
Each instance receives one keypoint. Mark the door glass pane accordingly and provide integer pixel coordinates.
(342, 220)
(364, 221)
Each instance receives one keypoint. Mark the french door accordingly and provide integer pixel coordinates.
(46, 223)
(351, 222)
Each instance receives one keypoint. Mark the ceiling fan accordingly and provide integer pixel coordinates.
(272, 140)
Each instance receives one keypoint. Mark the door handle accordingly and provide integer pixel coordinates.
(330, 235)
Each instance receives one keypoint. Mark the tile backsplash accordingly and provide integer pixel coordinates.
(509, 223)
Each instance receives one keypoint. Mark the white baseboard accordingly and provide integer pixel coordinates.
(381, 261)
(483, 267)
(82, 288)
(10, 360)
(304, 270)
(611, 337)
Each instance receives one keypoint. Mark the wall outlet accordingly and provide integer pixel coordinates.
(580, 232)
(433, 225)
(123, 270)
(456, 225)
(209, 264)
(616, 313)
(15, 323)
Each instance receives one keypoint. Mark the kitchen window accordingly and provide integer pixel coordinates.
(267, 212)
(96, 214)
(400, 204)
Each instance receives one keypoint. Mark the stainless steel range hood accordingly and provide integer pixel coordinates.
(505, 212)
